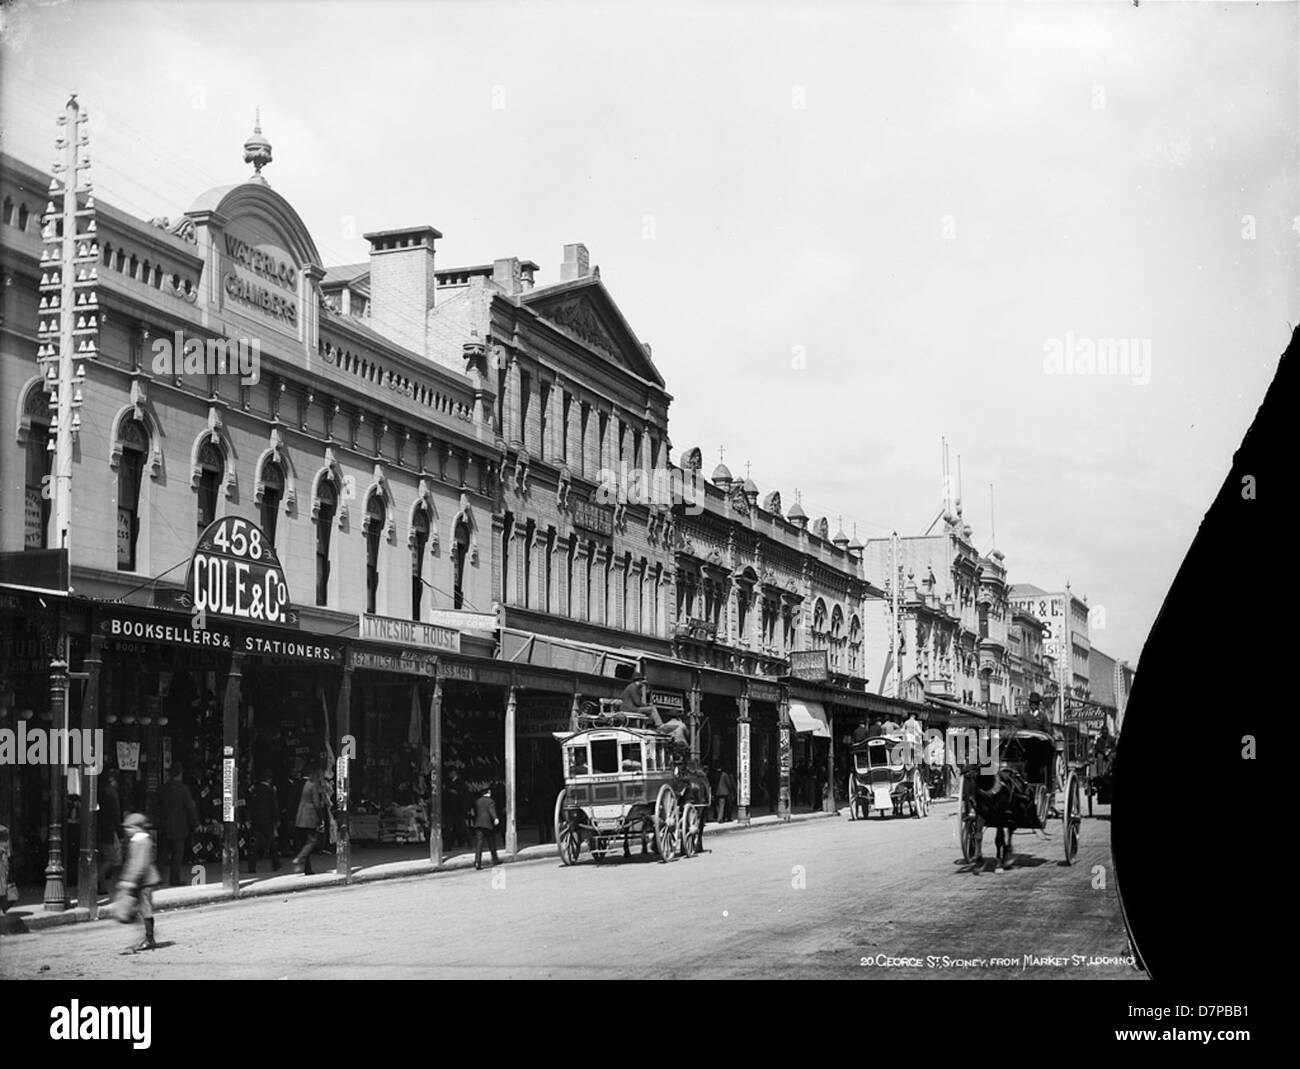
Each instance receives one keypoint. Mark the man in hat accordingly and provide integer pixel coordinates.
(139, 877)
(1033, 718)
(486, 822)
(636, 699)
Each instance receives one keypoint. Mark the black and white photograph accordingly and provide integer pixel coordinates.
(683, 491)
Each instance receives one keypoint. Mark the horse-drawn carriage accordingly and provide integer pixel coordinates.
(884, 776)
(623, 779)
(1018, 794)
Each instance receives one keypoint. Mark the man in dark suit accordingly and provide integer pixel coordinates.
(178, 820)
(1033, 719)
(485, 824)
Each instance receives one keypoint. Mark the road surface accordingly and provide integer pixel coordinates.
(825, 898)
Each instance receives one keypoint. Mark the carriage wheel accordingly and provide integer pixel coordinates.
(968, 829)
(1073, 815)
(568, 840)
(690, 829)
(667, 816)
(916, 793)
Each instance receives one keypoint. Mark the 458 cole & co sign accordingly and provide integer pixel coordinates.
(235, 573)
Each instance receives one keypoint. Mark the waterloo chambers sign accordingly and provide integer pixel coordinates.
(278, 300)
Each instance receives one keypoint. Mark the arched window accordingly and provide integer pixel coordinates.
(328, 502)
(654, 598)
(130, 471)
(819, 625)
(549, 574)
(272, 495)
(39, 487)
(570, 591)
(459, 551)
(375, 517)
(211, 468)
(22, 216)
(591, 563)
(419, 544)
(639, 622)
(627, 576)
(530, 543)
(608, 618)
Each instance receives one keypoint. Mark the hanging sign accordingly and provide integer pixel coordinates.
(228, 789)
(235, 574)
(742, 741)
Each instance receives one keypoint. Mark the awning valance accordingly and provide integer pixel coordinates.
(809, 717)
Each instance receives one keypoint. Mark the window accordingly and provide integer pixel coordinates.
(604, 756)
(272, 495)
(984, 621)
(602, 447)
(530, 543)
(419, 543)
(631, 757)
(654, 598)
(591, 563)
(501, 401)
(577, 763)
(549, 573)
(507, 543)
(39, 487)
(328, 503)
(130, 471)
(566, 404)
(525, 395)
(570, 591)
(608, 618)
(375, 516)
(627, 572)
(459, 551)
(211, 468)
(585, 422)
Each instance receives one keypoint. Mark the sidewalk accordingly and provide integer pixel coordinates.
(368, 864)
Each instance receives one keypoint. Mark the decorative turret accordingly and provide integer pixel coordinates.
(257, 149)
(841, 539)
(797, 516)
(722, 474)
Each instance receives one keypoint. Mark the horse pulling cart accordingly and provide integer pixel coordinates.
(881, 779)
(1019, 794)
(622, 780)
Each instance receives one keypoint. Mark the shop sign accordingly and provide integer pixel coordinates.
(742, 743)
(592, 517)
(228, 789)
(458, 620)
(408, 662)
(468, 673)
(160, 632)
(236, 574)
(341, 782)
(408, 632)
(809, 664)
(668, 699)
(764, 692)
(539, 719)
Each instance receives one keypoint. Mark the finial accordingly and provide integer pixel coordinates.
(257, 149)
(722, 454)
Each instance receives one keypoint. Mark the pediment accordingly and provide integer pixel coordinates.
(585, 311)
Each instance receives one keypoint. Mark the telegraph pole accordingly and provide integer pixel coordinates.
(68, 323)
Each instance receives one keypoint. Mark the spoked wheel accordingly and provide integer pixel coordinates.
(568, 840)
(667, 816)
(690, 829)
(916, 794)
(1071, 818)
(969, 829)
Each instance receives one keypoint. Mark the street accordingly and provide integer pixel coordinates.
(821, 899)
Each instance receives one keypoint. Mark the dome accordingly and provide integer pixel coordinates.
(796, 512)
(856, 546)
(722, 474)
(840, 537)
(750, 486)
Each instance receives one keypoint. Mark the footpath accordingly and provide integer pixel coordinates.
(24, 918)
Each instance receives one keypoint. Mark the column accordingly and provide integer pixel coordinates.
(56, 894)
(342, 777)
(88, 875)
(742, 761)
(828, 795)
(694, 723)
(435, 775)
(512, 832)
(230, 776)
(784, 751)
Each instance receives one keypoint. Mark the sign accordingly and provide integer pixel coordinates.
(408, 632)
(228, 789)
(128, 756)
(407, 662)
(341, 781)
(34, 518)
(236, 574)
(44, 570)
(764, 692)
(124, 630)
(245, 284)
(809, 664)
(459, 620)
(742, 744)
(468, 673)
(592, 517)
(667, 699)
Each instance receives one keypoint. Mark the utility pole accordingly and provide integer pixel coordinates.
(67, 325)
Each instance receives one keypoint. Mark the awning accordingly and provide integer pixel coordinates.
(809, 717)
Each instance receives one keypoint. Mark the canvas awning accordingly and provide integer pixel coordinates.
(810, 717)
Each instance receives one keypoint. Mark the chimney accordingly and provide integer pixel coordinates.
(402, 284)
(577, 264)
(508, 274)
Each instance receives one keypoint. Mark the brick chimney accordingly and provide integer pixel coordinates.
(402, 284)
(577, 264)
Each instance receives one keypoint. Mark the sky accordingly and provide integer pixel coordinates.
(847, 230)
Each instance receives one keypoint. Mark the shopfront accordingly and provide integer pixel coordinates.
(765, 748)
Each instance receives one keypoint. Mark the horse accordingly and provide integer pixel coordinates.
(1007, 807)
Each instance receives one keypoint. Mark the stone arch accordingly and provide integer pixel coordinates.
(31, 407)
(465, 515)
(276, 453)
(140, 414)
(379, 488)
(216, 435)
(423, 500)
(329, 472)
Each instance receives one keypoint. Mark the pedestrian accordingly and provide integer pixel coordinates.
(310, 821)
(486, 821)
(139, 878)
(108, 830)
(264, 816)
(178, 820)
(726, 787)
(876, 730)
(860, 732)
